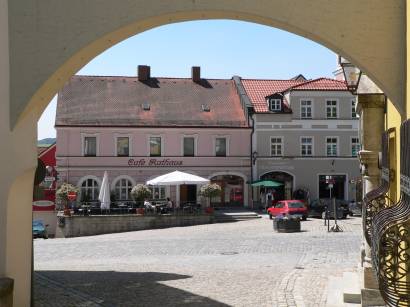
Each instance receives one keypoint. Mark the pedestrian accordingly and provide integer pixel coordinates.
(170, 205)
(269, 198)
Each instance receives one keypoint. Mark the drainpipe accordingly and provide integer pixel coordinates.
(250, 118)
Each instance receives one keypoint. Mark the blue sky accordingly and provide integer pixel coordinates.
(222, 48)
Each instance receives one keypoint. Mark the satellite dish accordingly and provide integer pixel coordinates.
(40, 172)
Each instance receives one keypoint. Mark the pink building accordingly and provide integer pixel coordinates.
(137, 128)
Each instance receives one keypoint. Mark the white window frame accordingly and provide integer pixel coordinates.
(313, 145)
(82, 179)
(195, 137)
(97, 143)
(116, 136)
(353, 106)
(351, 145)
(273, 101)
(311, 108)
(337, 107)
(227, 137)
(281, 143)
(117, 179)
(337, 145)
(149, 147)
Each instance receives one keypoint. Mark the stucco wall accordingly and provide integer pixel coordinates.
(319, 103)
(291, 141)
(306, 172)
(69, 140)
(77, 226)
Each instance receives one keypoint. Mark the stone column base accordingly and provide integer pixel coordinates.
(370, 288)
(6, 292)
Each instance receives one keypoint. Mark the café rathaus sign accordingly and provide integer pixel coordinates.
(154, 162)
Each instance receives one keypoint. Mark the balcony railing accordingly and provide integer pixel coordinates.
(391, 236)
(377, 199)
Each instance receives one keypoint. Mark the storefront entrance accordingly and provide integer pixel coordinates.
(188, 193)
(232, 191)
(338, 190)
(283, 192)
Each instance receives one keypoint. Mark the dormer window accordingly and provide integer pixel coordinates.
(275, 104)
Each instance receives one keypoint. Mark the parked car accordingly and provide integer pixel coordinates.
(288, 207)
(317, 207)
(39, 229)
(355, 208)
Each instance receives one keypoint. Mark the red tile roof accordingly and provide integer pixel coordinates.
(117, 101)
(321, 84)
(258, 90)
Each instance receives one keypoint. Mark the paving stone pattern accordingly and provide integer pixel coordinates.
(230, 264)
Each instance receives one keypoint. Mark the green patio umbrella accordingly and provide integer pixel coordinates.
(266, 183)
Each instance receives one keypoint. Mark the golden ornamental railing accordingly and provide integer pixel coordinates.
(377, 199)
(390, 236)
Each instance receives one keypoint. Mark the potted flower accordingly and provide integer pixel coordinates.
(139, 193)
(208, 191)
(62, 195)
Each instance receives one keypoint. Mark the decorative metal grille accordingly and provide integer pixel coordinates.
(391, 236)
(376, 199)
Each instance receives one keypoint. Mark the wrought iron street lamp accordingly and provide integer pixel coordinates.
(352, 74)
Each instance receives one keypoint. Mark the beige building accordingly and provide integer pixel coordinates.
(303, 132)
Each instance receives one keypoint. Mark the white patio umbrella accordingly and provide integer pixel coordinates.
(177, 178)
(104, 196)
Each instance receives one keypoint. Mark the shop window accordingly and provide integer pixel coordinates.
(123, 146)
(158, 192)
(89, 190)
(232, 191)
(155, 146)
(189, 146)
(123, 189)
(90, 146)
(354, 114)
(220, 147)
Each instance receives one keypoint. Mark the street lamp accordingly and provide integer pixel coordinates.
(351, 73)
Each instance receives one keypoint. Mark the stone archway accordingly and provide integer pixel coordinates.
(288, 180)
(43, 43)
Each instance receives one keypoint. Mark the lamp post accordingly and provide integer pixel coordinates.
(351, 73)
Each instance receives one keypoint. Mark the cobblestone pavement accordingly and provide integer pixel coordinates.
(231, 264)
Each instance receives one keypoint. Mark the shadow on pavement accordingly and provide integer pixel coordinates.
(110, 288)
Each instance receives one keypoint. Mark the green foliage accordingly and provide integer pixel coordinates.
(64, 189)
(141, 192)
(210, 190)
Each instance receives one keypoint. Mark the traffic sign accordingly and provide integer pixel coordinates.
(72, 196)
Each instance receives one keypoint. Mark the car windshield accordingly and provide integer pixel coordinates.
(295, 205)
(38, 223)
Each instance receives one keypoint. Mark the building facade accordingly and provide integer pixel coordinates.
(137, 128)
(305, 132)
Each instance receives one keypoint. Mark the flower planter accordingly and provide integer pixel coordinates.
(281, 224)
(140, 211)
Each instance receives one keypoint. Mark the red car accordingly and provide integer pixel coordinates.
(288, 207)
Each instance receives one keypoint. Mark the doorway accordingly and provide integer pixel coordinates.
(188, 193)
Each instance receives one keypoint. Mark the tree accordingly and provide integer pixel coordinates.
(140, 192)
(210, 190)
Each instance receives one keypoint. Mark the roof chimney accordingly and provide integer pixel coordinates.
(196, 74)
(144, 72)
